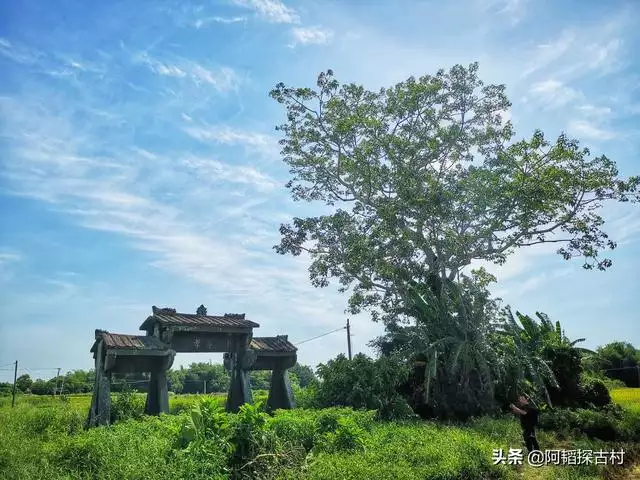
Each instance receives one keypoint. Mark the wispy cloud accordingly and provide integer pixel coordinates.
(311, 35)
(225, 135)
(513, 10)
(589, 130)
(592, 110)
(270, 10)
(222, 79)
(547, 53)
(596, 49)
(7, 259)
(626, 230)
(18, 53)
(603, 56)
(168, 205)
(554, 93)
(201, 22)
(221, 172)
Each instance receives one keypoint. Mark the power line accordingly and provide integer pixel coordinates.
(38, 369)
(319, 336)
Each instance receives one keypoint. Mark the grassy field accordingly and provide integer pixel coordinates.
(43, 437)
(629, 398)
(177, 403)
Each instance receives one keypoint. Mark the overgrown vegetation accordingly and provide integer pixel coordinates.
(204, 442)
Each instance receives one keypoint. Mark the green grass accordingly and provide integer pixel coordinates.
(628, 398)
(44, 438)
(82, 401)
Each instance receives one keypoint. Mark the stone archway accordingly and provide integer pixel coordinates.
(169, 332)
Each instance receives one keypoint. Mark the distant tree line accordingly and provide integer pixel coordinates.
(618, 361)
(192, 379)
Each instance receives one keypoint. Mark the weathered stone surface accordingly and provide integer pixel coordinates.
(158, 394)
(239, 387)
(100, 411)
(280, 391)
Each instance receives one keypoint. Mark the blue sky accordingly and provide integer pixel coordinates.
(139, 163)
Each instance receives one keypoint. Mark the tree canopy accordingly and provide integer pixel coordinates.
(618, 360)
(426, 177)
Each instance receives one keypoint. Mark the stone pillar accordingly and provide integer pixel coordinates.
(158, 393)
(280, 392)
(100, 411)
(240, 386)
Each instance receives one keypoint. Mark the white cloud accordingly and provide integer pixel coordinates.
(623, 224)
(517, 263)
(167, 70)
(201, 22)
(271, 10)
(603, 56)
(222, 172)
(311, 35)
(180, 212)
(223, 79)
(225, 135)
(7, 259)
(513, 10)
(547, 53)
(554, 93)
(596, 48)
(589, 130)
(592, 110)
(18, 53)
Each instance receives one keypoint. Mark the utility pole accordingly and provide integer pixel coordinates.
(62, 387)
(204, 386)
(15, 377)
(57, 377)
(349, 338)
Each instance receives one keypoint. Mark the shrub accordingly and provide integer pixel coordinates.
(612, 383)
(346, 436)
(127, 405)
(608, 423)
(363, 383)
(132, 449)
(306, 397)
(294, 429)
(594, 392)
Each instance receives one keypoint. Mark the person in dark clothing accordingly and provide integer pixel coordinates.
(528, 420)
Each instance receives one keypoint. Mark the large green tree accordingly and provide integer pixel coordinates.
(304, 375)
(425, 177)
(24, 382)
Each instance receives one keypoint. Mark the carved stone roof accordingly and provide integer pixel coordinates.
(273, 344)
(128, 342)
(169, 316)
